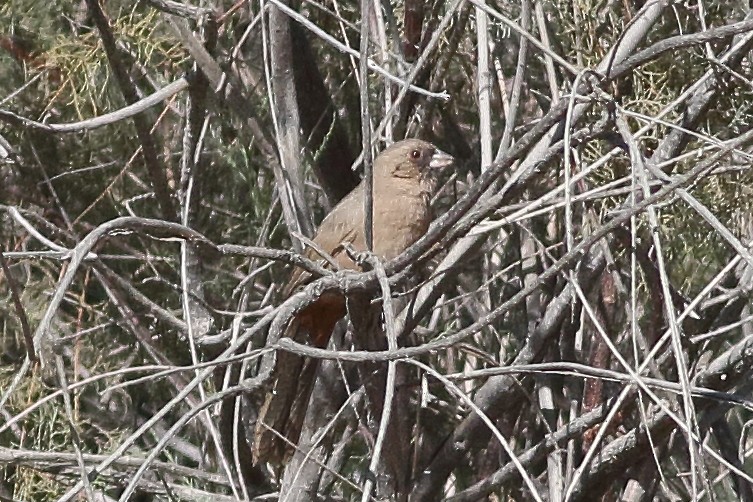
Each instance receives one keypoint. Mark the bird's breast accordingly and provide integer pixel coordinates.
(399, 221)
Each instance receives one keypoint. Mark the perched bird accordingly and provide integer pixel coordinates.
(405, 176)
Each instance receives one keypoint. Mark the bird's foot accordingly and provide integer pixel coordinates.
(364, 259)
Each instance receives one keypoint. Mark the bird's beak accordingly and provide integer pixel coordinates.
(441, 160)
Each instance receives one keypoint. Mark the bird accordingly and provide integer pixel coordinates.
(405, 176)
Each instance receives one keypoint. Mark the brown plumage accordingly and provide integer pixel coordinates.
(405, 176)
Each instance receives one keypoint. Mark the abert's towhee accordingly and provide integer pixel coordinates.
(405, 176)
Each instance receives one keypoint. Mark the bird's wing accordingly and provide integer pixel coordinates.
(344, 224)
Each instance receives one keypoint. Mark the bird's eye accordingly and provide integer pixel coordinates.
(415, 155)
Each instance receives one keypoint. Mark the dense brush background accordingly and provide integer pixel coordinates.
(620, 371)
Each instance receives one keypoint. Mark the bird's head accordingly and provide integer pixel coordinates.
(413, 159)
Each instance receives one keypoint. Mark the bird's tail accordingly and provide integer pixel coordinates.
(280, 420)
(281, 417)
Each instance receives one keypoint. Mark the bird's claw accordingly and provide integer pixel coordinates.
(361, 258)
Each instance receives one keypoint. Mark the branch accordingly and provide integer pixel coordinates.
(157, 171)
(139, 106)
